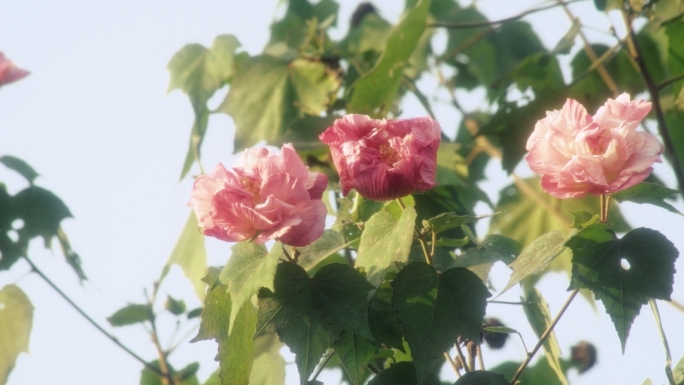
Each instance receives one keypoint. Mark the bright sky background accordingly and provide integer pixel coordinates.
(95, 121)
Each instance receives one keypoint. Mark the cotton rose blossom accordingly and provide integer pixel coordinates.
(384, 159)
(266, 195)
(577, 153)
(9, 72)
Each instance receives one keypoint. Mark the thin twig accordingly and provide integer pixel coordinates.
(453, 364)
(668, 356)
(676, 305)
(669, 81)
(166, 377)
(509, 303)
(462, 357)
(425, 251)
(479, 357)
(477, 24)
(372, 368)
(543, 337)
(657, 108)
(89, 319)
(180, 341)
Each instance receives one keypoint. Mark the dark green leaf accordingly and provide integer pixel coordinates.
(368, 34)
(433, 309)
(379, 315)
(41, 210)
(175, 306)
(447, 221)
(354, 352)
(480, 259)
(269, 94)
(185, 376)
(482, 378)
(190, 255)
(402, 373)
(385, 240)
(292, 30)
(650, 193)
(20, 166)
(539, 316)
(536, 257)
(249, 268)
(540, 373)
(129, 315)
(16, 320)
(194, 313)
(310, 313)
(375, 92)
(597, 265)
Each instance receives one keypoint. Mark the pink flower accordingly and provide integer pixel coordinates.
(265, 196)
(9, 72)
(578, 154)
(384, 159)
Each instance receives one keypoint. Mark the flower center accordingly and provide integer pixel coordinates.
(253, 187)
(388, 155)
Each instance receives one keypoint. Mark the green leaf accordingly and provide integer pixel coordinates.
(198, 72)
(500, 329)
(537, 256)
(269, 364)
(310, 313)
(328, 244)
(447, 221)
(383, 241)
(190, 255)
(16, 320)
(539, 317)
(194, 313)
(433, 309)
(452, 169)
(597, 265)
(402, 373)
(368, 34)
(379, 314)
(249, 268)
(480, 377)
(375, 92)
(530, 213)
(582, 219)
(175, 306)
(480, 259)
(650, 193)
(292, 30)
(540, 373)
(20, 166)
(354, 352)
(269, 94)
(186, 376)
(678, 372)
(235, 350)
(129, 315)
(41, 210)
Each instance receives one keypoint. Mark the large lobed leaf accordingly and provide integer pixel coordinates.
(597, 264)
(385, 240)
(434, 309)
(354, 353)
(269, 94)
(249, 268)
(309, 314)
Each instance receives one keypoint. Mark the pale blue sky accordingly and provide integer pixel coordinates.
(94, 120)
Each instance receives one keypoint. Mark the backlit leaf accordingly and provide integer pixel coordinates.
(383, 241)
(354, 353)
(190, 255)
(16, 320)
(433, 309)
(650, 193)
(249, 268)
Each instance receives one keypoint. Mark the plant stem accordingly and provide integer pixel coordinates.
(89, 319)
(479, 357)
(668, 357)
(544, 336)
(320, 368)
(453, 364)
(425, 251)
(472, 352)
(400, 203)
(669, 81)
(462, 357)
(653, 90)
(676, 305)
(604, 204)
